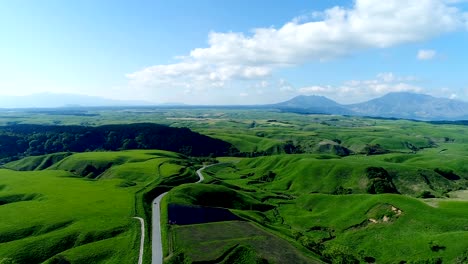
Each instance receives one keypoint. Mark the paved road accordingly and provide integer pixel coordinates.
(157, 255)
(142, 241)
(156, 243)
(200, 175)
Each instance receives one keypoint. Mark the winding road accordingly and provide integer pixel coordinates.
(142, 240)
(156, 243)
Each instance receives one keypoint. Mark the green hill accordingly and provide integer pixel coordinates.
(298, 174)
(66, 212)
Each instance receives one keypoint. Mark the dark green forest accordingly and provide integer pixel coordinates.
(18, 141)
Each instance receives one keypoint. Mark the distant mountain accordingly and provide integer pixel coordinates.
(413, 106)
(52, 100)
(313, 104)
(394, 105)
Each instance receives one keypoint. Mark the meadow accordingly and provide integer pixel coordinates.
(320, 188)
(64, 213)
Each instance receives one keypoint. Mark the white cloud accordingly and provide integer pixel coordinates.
(243, 94)
(314, 89)
(359, 90)
(426, 54)
(285, 86)
(262, 84)
(337, 31)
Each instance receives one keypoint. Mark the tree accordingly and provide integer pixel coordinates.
(379, 181)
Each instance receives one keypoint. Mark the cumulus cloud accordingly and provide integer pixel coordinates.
(358, 90)
(426, 54)
(334, 32)
(314, 89)
(285, 86)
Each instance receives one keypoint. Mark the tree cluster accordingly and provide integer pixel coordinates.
(18, 141)
(379, 181)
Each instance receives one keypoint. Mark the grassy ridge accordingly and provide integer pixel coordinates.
(357, 226)
(298, 174)
(420, 158)
(58, 213)
(69, 213)
(353, 225)
(410, 232)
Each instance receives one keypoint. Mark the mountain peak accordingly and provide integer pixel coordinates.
(313, 104)
(309, 101)
(407, 105)
(413, 106)
(406, 95)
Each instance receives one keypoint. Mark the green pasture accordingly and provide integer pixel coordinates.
(55, 211)
(66, 216)
(79, 206)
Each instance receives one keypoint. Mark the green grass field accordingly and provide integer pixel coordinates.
(408, 234)
(308, 173)
(300, 185)
(64, 211)
(356, 225)
(66, 217)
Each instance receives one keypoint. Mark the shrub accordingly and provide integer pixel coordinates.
(379, 181)
(448, 174)
(374, 150)
(377, 172)
(340, 190)
(435, 247)
(426, 194)
(340, 255)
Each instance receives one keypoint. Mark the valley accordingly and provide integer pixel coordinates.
(280, 188)
(234, 132)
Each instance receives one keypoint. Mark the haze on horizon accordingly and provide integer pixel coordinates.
(234, 52)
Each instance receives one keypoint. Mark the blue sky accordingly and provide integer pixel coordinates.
(234, 52)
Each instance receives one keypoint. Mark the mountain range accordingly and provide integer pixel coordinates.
(53, 100)
(393, 105)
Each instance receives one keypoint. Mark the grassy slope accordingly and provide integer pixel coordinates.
(68, 213)
(83, 220)
(298, 174)
(408, 235)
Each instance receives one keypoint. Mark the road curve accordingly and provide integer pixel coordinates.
(142, 240)
(156, 243)
(200, 175)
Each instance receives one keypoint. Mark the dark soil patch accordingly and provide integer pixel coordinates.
(188, 215)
